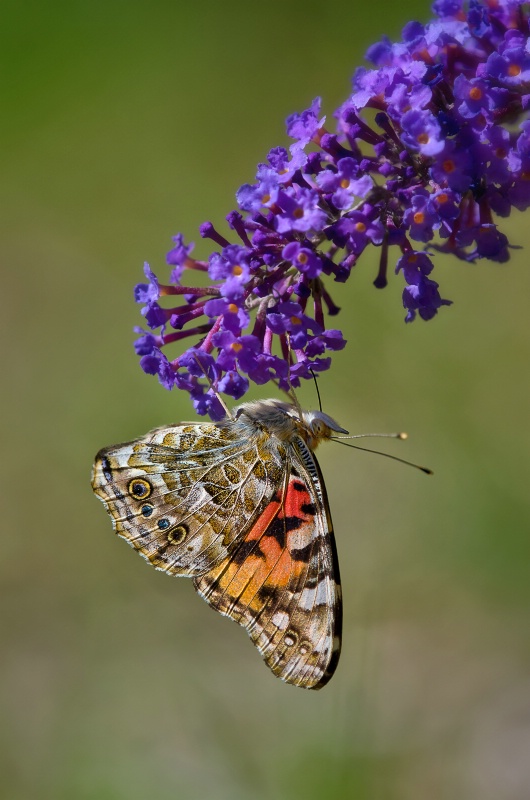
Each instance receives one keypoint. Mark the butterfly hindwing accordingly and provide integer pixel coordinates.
(182, 494)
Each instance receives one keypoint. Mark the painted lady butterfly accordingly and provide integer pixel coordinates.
(240, 506)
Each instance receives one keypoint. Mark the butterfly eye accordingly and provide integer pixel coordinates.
(139, 488)
(319, 428)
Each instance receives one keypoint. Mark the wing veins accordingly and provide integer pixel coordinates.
(238, 489)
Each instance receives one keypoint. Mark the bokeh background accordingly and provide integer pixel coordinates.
(124, 123)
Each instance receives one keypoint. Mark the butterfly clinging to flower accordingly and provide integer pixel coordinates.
(240, 506)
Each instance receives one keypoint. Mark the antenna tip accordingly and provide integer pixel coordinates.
(427, 471)
(402, 435)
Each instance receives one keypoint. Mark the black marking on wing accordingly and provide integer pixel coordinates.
(280, 526)
(105, 466)
(304, 553)
(243, 550)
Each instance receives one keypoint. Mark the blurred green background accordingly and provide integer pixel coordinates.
(124, 123)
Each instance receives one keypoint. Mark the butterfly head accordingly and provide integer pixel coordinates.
(317, 426)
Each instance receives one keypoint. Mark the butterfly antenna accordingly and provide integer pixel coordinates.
(291, 393)
(317, 389)
(340, 440)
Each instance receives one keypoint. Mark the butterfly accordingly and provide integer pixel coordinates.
(240, 507)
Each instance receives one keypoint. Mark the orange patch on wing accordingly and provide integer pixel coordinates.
(296, 498)
(269, 565)
(248, 578)
(263, 522)
(271, 550)
(225, 573)
(285, 570)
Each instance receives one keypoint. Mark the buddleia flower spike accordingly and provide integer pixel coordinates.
(431, 144)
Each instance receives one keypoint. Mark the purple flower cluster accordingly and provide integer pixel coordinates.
(431, 143)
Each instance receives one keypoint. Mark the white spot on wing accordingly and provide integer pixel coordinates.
(280, 620)
(300, 538)
(317, 596)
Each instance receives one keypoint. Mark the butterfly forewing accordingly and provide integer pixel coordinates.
(281, 581)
